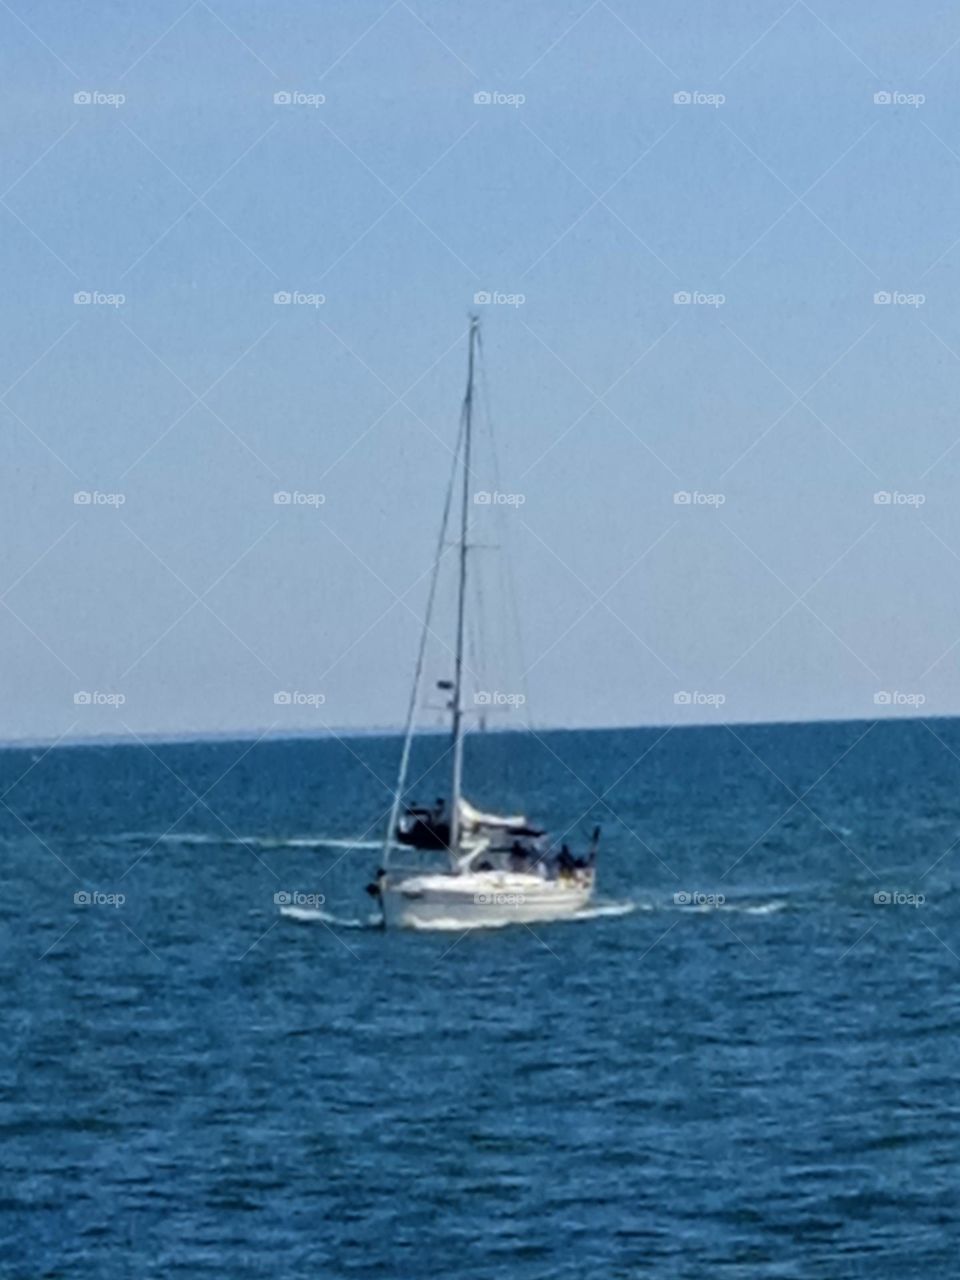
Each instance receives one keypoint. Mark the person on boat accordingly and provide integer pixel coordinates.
(519, 861)
(566, 863)
(581, 870)
(375, 887)
(439, 812)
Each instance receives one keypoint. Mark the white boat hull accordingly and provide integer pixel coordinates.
(478, 900)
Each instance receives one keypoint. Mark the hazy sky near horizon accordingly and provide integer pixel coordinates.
(736, 154)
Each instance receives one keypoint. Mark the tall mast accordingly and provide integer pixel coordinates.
(462, 600)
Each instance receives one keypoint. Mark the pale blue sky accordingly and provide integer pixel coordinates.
(597, 198)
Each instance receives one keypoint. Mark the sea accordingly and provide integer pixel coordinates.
(741, 1062)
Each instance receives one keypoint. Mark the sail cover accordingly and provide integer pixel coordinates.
(472, 818)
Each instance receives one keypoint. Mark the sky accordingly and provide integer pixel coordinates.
(722, 349)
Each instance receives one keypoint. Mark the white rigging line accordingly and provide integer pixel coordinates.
(418, 674)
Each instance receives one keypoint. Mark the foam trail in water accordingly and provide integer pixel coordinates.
(596, 912)
(742, 908)
(258, 842)
(601, 909)
(309, 915)
(316, 842)
(760, 908)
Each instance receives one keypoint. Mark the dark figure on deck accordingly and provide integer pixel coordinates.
(565, 861)
(518, 857)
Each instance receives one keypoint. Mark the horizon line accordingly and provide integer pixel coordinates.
(168, 738)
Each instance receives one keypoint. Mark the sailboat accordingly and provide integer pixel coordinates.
(493, 870)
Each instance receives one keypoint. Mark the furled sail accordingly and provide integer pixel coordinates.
(473, 819)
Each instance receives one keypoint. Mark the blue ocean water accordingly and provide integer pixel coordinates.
(752, 1074)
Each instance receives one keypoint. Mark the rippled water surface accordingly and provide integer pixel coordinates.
(742, 1065)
